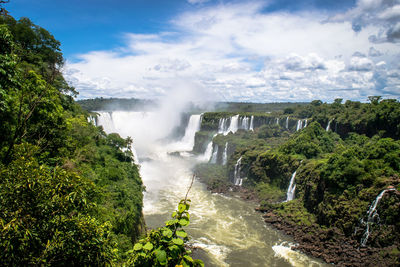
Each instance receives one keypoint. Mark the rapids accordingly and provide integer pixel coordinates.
(227, 229)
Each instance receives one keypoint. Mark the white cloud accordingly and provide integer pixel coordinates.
(236, 52)
(197, 1)
(384, 14)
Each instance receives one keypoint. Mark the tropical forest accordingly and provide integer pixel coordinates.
(110, 180)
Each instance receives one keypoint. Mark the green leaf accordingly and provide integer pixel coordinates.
(173, 247)
(181, 207)
(161, 256)
(184, 222)
(198, 263)
(181, 233)
(167, 232)
(171, 222)
(148, 246)
(177, 241)
(188, 258)
(138, 246)
(173, 214)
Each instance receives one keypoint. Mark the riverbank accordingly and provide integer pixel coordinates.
(327, 244)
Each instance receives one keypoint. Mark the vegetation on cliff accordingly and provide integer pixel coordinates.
(69, 193)
(340, 169)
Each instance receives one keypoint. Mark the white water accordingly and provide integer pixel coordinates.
(292, 188)
(251, 128)
(214, 154)
(222, 126)
(228, 229)
(277, 121)
(236, 175)
(287, 123)
(371, 215)
(225, 154)
(328, 127)
(284, 250)
(305, 124)
(245, 125)
(299, 125)
(234, 125)
(105, 119)
(187, 142)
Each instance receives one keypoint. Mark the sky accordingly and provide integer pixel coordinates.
(224, 50)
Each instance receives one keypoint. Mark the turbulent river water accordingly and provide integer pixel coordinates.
(227, 229)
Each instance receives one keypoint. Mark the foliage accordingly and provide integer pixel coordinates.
(310, 142)
(165, 246)
(70, 194)
(45, 215)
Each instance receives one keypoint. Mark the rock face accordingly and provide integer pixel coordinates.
(327, 244)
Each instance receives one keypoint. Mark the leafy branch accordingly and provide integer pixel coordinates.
(165, 246)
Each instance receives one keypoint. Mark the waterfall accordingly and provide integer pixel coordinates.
(222, 125)
(305, 123)
(91, 119)
(236, 176)
(371, 214)
(225, 155)
(194, 124)
(299, 125)
(208, 153)
(291, 189)
(287, 122)
(277, 121)
(105, 120)
(214, 154)
(209, 150)
(234, 125)
(328, 127)
(251, 128)
(245, 123)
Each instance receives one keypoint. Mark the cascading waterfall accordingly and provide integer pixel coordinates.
(371, 215)
(245, 124)
(106, 121)
(299, 125)
(234, 125)
(287, 123)
(236, 175)
(328, 127)
(222, 125)
(214, 154)
(194, 125)
(91, 119)
(305, 123)
(251, 128)
(209, 151)
(291, 189)
(225, 155)
(277, 121)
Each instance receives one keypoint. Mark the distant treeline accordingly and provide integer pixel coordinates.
(112, 104)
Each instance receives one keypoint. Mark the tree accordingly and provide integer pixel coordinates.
(374, 99)
(45, 216)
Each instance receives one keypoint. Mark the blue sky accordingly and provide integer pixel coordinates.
(260, 51)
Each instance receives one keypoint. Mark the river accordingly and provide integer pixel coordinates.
(227, 229)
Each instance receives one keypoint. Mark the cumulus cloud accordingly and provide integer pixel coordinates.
(385, 14)
(374, 52)
(239, 53)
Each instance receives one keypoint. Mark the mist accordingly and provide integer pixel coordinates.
(155, 123)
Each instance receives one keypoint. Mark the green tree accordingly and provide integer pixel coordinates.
(45, 216)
